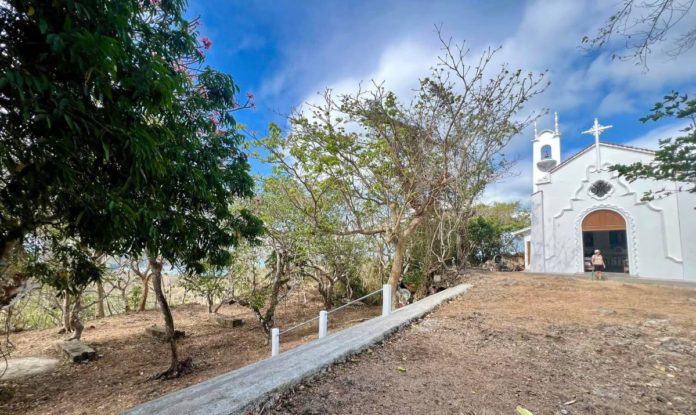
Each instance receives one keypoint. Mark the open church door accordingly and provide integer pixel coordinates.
(606, 230)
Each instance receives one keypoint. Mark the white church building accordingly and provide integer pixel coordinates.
(578, 206)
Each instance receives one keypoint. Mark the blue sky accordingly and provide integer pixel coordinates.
(286, 51)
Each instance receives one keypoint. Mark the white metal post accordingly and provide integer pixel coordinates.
(275, 342)
(386, 299)
(323, 323)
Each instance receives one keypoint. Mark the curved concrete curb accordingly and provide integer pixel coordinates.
(246, 388)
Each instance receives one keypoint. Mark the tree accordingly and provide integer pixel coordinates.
(211, 284)
(645, 23)
(82, 90)
(485, 239)
(117, 136)
(325, 258)
(145, 276)
(390, 165)
(676, 158)
(262, 289)
(67, 266)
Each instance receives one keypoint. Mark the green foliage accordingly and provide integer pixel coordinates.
(676, 158)
(488, 233)
(61, 264)
(210, 284)
(485, 238)
(117, 136)
(372, 165)
(134, 297)
(83, 84)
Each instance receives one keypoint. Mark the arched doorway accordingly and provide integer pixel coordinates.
(606, 230)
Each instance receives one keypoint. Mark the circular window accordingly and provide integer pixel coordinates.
(600, 188)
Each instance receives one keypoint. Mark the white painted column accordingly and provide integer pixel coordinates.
(275, 342)
(386, 299)
(323, 323)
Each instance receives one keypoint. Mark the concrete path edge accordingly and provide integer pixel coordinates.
(249, 388)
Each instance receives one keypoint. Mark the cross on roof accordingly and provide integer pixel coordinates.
(596, 130)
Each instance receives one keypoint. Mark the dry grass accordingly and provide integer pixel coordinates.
(118, 379)
(553, 345)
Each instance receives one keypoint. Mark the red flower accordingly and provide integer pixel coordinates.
(214, 120)
(206, 42)
(249, 95)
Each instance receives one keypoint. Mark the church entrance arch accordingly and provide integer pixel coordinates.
(605, 230)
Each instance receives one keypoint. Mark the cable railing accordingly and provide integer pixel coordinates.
(323, 317)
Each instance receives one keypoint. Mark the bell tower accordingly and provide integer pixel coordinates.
(546, 148)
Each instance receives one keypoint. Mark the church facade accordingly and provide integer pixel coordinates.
(578, 205)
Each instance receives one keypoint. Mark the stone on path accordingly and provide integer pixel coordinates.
(225, 321)
(75, 350)
(656, 323)
(27, 366)
(160, 333)
(606, 311)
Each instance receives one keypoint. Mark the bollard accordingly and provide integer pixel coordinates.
(275, 342)
(323, 323)
(386, 299)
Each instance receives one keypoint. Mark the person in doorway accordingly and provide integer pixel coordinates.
(598, 264)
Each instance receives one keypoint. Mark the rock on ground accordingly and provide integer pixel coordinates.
(160, 333)
(225, 321)
(75, 351)
(27, 366)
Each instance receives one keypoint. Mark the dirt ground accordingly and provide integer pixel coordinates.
(117, 380)
(554, 345)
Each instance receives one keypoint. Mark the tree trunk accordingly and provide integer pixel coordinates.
(176, 368)
(400, 254)
(124, 297)
(100, 299)
(146, 289)
(67, 327)
(75, 322)
(397, 264)
(210, 301)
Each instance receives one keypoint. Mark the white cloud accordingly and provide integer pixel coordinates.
(615, 102)
(517, 187)
(546, 36)
(651, 139)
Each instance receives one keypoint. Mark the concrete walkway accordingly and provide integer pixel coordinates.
(249, 387)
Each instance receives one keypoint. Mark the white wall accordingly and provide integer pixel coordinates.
(657, 232)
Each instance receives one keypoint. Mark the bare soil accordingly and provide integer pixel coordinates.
(554, 345)
(118, 379)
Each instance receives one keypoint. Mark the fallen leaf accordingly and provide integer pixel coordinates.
(402, 369)
(523, 411)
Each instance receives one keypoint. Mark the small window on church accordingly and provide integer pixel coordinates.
(546, 152)
(600, 188)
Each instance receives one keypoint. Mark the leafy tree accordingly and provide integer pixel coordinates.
(389, 165)
(136, 266)
(116, 134)
(325, 258)
(676, 158)
(488, 234)
(81, 85)
(212, 284)
(485, 239)
(263, 288)
(68, 267)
